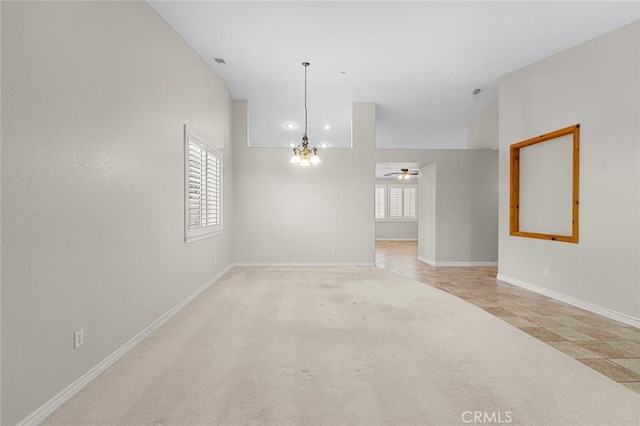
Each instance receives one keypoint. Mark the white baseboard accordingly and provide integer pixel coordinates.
(396, 239)
(596, 309)
(254, 264)
(466, 264)
(46, 409)
(427, 261)
(457, 264)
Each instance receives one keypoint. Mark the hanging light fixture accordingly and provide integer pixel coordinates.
(302, 154)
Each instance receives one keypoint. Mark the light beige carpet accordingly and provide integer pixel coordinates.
(343, 346)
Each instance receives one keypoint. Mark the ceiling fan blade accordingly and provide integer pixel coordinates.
(392, 174)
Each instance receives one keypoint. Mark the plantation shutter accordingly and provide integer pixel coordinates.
(204, 184)
(203, 189)
(409, 203)
(380, 203)
(403, 202)
(395, 202)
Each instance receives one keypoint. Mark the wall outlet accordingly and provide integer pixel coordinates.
(332, 250)
(78, 338)
(545, 270)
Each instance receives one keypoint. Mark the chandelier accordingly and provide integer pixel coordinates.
(302, 154)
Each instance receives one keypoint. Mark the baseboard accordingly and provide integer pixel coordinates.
(427, 261)
(254, 264)
(46, 409)
(396, 239)
(467, 264)
(596, 309)
(456, 264)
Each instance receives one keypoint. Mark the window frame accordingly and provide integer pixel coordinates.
(191, 136)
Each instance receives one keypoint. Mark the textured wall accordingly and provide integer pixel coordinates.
(94, 97)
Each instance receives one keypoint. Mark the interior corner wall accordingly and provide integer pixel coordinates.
(285, 213)
(94, 99)
(466, 201)
(427, 214)
(597, 85)
(482, 131)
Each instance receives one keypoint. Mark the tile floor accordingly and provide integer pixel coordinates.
(607, 346)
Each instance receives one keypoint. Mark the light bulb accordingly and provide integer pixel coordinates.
(305, 162)
(315, 159)
(295, 159)
(400, 177)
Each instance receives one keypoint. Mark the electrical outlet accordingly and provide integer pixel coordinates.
(546, 270)
(78, 338)
(333, 250)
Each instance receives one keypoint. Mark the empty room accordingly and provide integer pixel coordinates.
(319, 212)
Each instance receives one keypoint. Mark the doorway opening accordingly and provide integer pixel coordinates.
(396, 212)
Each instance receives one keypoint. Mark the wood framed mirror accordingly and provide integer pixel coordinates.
(544, 186)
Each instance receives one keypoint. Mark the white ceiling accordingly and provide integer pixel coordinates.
(419, 61)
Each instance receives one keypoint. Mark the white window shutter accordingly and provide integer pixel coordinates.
(409, 203)
(403, 202)
(395, 202)
(203, 195)
(380, 202)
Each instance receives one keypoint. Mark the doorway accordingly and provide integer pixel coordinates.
(396, 210)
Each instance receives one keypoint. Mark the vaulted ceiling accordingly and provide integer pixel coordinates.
(419, 61)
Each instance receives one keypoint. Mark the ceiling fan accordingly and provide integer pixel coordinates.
(403, 173)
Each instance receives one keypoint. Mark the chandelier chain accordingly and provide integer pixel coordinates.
(306, 65)
(302, 154)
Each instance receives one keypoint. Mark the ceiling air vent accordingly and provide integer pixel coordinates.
(220, 61)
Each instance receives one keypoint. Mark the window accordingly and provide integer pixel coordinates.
(409, 203)
(381, 205)
(203, 187)
(401, 203)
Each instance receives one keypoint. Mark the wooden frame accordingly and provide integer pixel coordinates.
(514, 209)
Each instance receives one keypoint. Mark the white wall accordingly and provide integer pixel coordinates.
(1, 209)
(397, 231)
(286, 213)
(466, 202)
(427, 214)
(94, 97)
(595, 84)
(482, 131)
